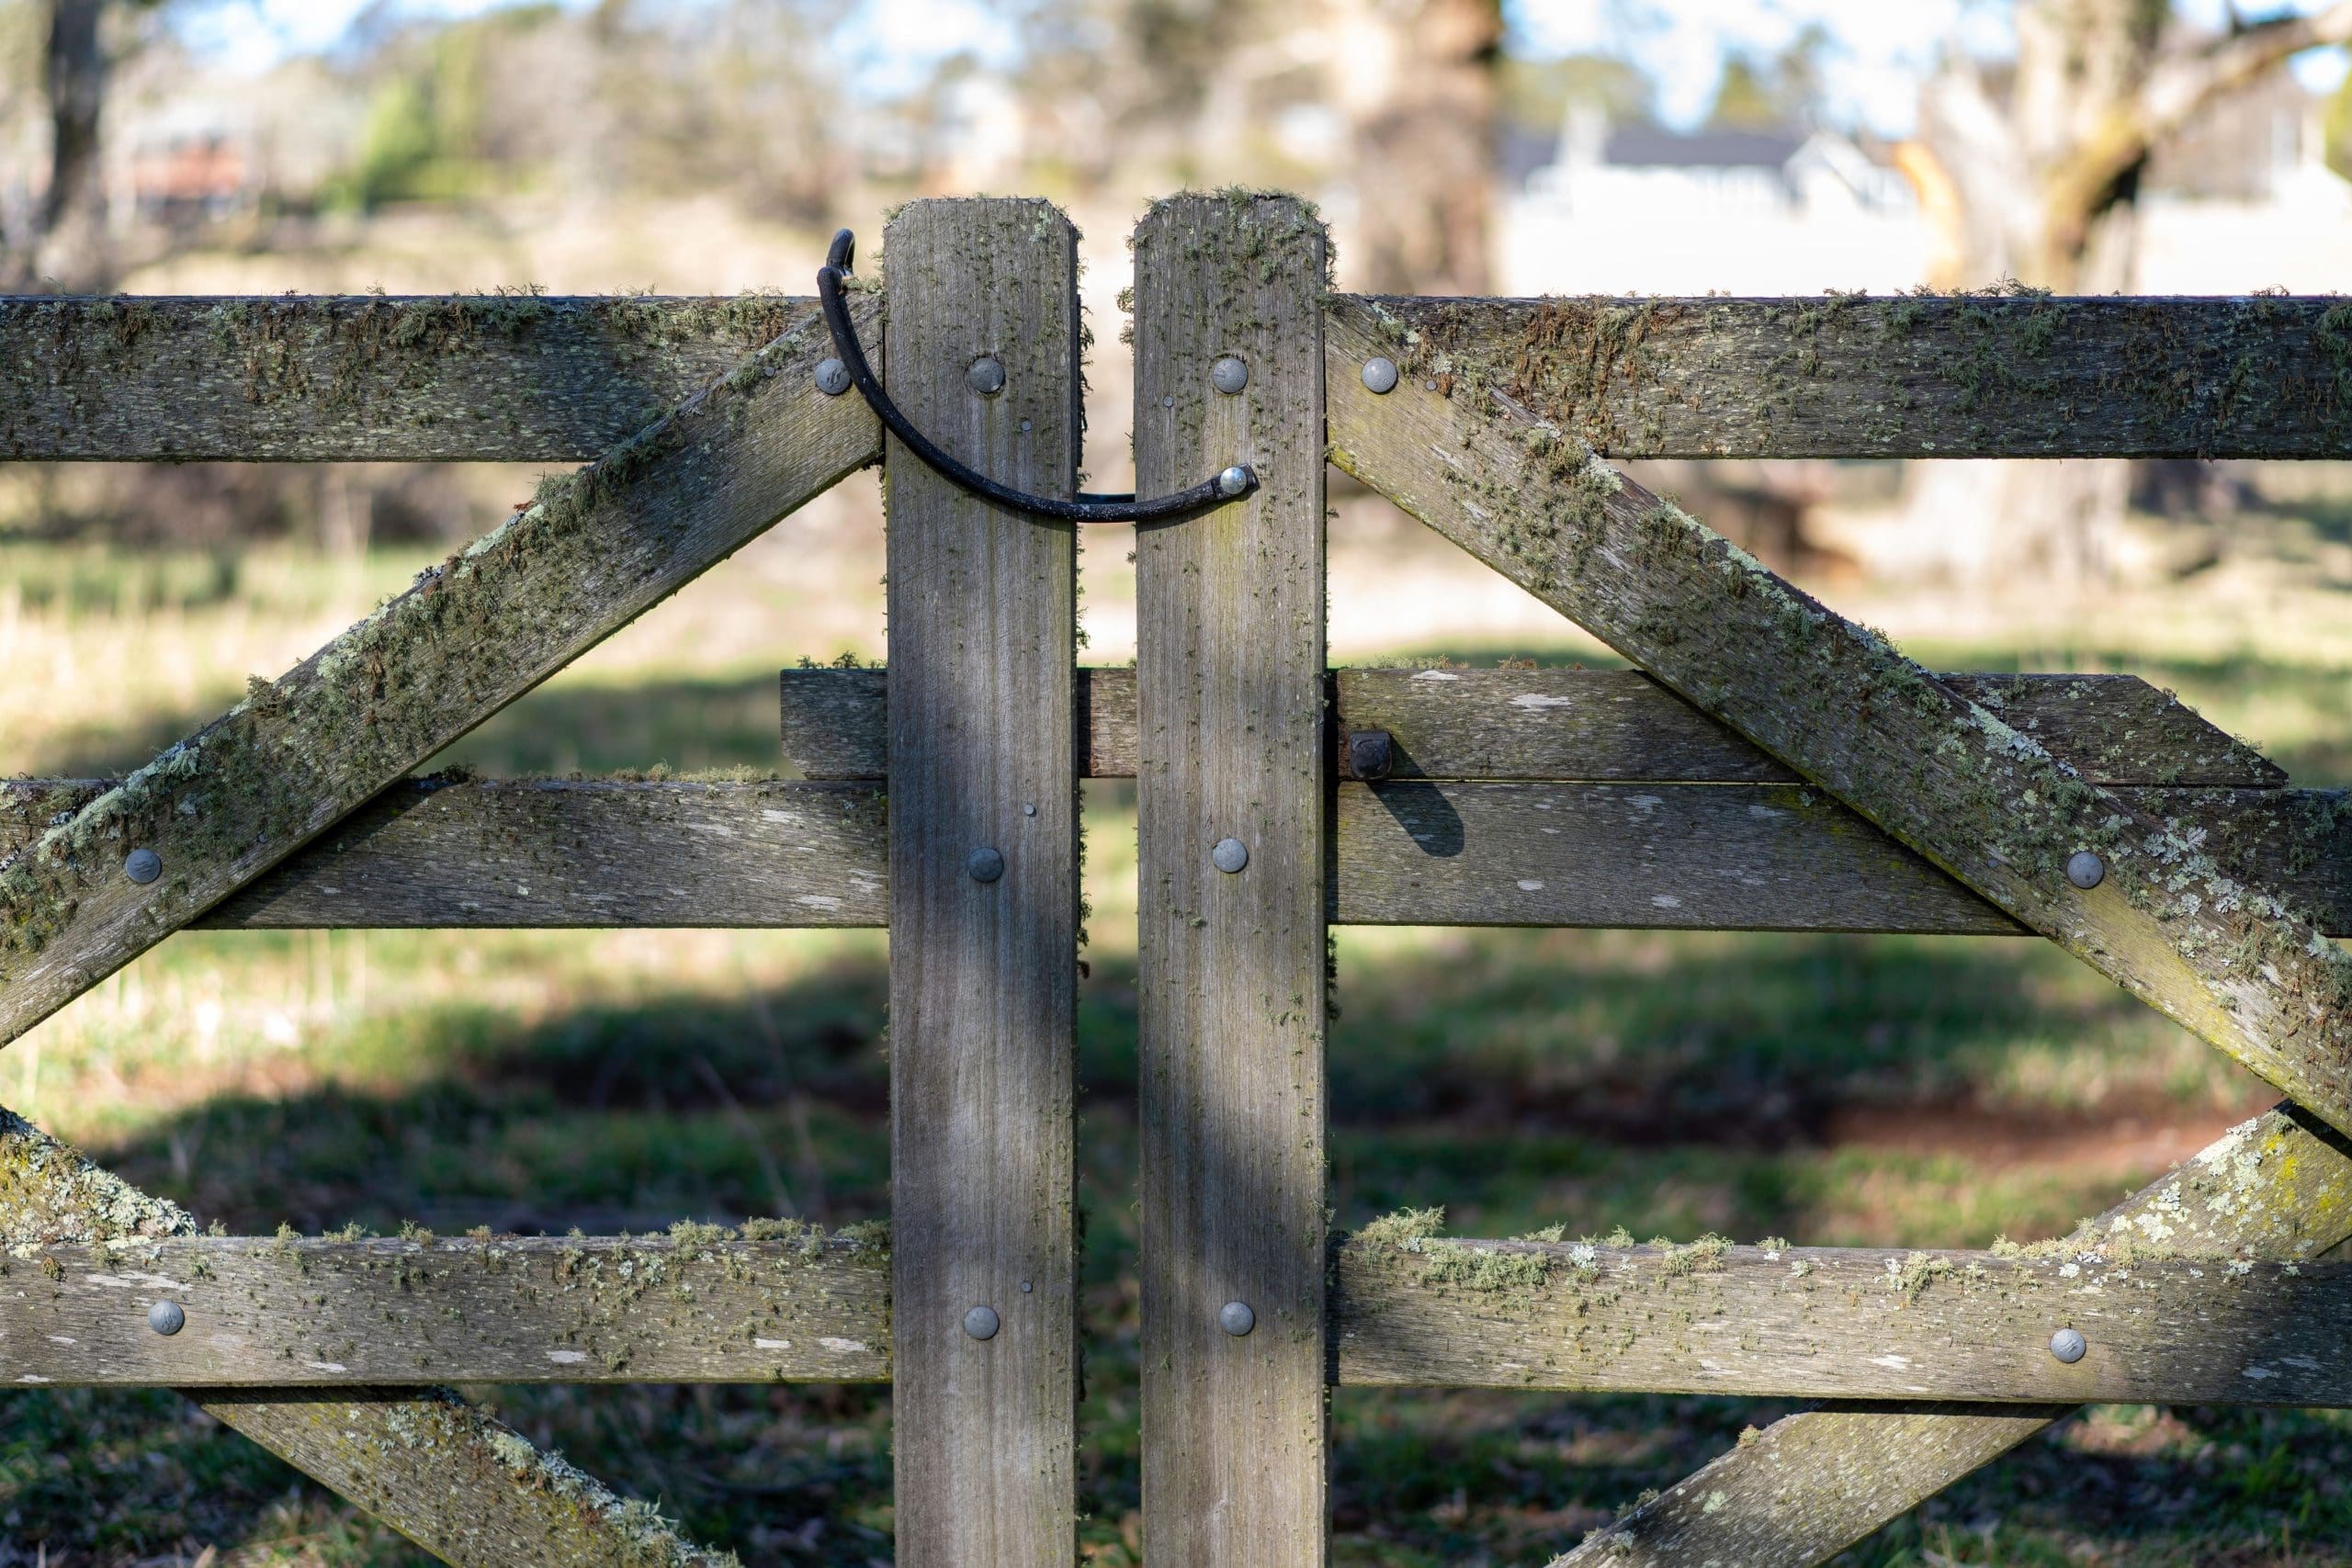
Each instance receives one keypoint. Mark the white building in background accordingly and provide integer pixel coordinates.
(1633, 209)
(2244, 202)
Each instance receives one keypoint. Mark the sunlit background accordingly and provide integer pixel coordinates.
(1831, 1089)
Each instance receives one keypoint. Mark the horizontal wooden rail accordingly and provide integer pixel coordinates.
(535, 378)
(1587, 725)
(1820, 1323)
(322, 1312)
(511, 377)
(1914, 375)
(431, 853)
(1756, 857)
(1746, 857)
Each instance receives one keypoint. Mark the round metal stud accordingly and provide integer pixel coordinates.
(1229, 375)
(832, 377)
(1232, 482)
(987, 375)
(142, 866)
(1380, 374)
(985, 865)
(1230, 855)
(166, 1318)
(2068, 1345)
(1236, 1318)
(2086, 870)
(981, 1323)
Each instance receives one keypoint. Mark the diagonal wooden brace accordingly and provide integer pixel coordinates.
(441, 1471)
(2210, 948)
(590, 553)
(2278, 1188)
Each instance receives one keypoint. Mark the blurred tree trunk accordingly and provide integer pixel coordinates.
(69, 250)
(2048, 182)
(1417, 81)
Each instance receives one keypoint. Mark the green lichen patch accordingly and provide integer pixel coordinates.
(50, 1195)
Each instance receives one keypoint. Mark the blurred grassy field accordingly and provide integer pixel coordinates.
(1833, 1090)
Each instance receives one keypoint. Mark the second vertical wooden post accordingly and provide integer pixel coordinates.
(1231, 789)
(981, 344)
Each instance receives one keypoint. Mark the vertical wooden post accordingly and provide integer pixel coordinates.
(1229, 696)
(983, 888)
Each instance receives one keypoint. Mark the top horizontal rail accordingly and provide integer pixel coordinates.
(497, 377)
(1912, 376)
(543, 378)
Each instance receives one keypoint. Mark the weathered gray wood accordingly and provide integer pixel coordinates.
(2278, 1188)
(1814, 1323)
(584, 853)
(835, 722)
(2226, 958)
(592, 554)
(1910, 377)
(606, 854)
(983, 973)
(1748, 857)
(513, 378)
(1597, 725)
(700, 1305)
(1229, 694)
(440, 1471)
(458, 1482)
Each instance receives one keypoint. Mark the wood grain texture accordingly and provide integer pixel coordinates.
(1746, 857)
(1910, 377)
(510, 1309)
(483, 377)
(438, 1470)
(2229, 959)
(452, 1478)
(836, 721)
(2277, 1188)
(1597, 725)
(597, 550)
(1229, 695)
(1840, 1323)
(983, 974)
(606, 853)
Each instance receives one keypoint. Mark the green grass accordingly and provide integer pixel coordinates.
(1834, 1090)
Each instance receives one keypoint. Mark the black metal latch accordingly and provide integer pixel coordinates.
(1230, 485)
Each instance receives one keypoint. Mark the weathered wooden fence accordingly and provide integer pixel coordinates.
(1774, 767)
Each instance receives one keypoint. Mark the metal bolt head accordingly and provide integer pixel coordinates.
(1380, 374)
(1371, 753)
(987, 375)
(2086, 870)
(832, 377)
(2068, 1345)
(1232, 482)
(1230, 855)
(1236, 1318)
(981, 1323)
(1229, 375)
(985, 865)
(166, 1318)
(142, 866)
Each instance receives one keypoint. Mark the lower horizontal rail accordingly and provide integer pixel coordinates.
(1744, 856)
(700, 1305)
(1822, 1323)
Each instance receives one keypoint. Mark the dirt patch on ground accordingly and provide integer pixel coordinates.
(2126, 1139)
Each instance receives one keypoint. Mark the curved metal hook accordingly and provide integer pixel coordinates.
(1230, 485)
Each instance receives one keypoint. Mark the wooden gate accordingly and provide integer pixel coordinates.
(1775, 767)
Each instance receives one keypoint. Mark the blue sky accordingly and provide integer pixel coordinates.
(1880, 46)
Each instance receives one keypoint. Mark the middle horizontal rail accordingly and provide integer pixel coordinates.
(701, 1305)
